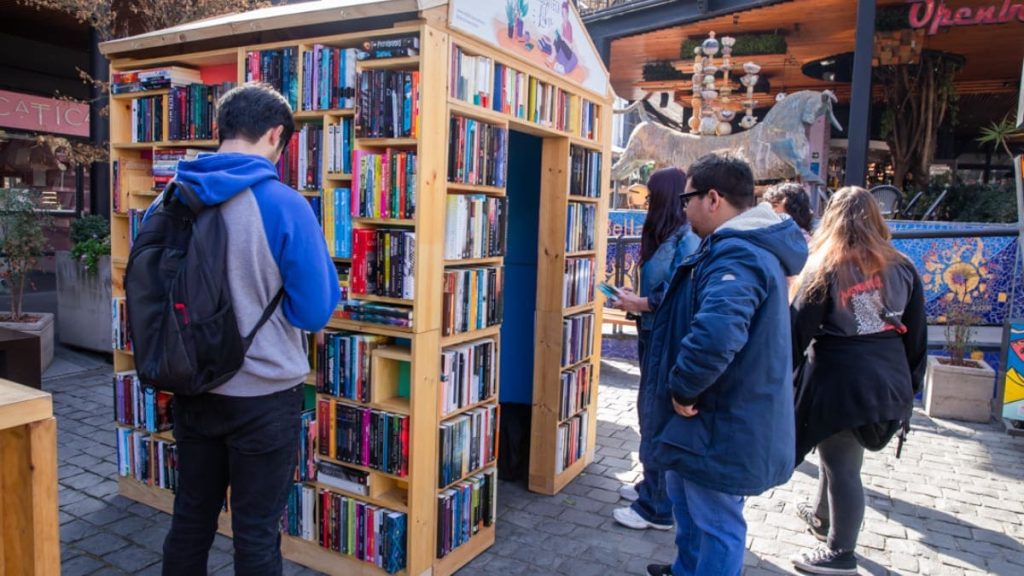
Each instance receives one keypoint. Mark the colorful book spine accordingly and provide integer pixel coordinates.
(278, 68)
(475, 226)
(468, 375)
(576, 390)
(363, 436)
(464, 510)
(584, 172)
(577, 338)
(580, 227)
(387, 104)
(141, 406)
(571, 441)
(477, 153)
(345, 367)
(579, 281)
(383, 262)
(467, 443)
(472, 300)
(384, 184)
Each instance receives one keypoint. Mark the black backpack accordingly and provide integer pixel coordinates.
(181, 320)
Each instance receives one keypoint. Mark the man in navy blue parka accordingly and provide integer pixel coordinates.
(720, 355)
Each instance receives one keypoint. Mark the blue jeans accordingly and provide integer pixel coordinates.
(653, 504)
(710, 530)
(249, 444)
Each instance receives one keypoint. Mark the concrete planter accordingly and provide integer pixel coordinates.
(959, 392)
(83, 303)
(43, 328)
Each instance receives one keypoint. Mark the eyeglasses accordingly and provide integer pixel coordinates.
(686, 196)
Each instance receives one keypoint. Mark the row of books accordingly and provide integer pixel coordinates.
(299, 516)
(357, 435)
(300, 164)
(481, 81)
(305, 461)
(331, 208)
(165, 164)
(383, 262)
(141, 406)
(120, 335)
(374, 534)
(580, 234)
(131, 81)
(576, 390)
(584, 172)
(374, 313)
(467, 442)
(147, 119)
(192, 112)
(328, 78)
(388, 104)
(384, 184)
(577, 338)
(339, 146)
(477, 152)
(475, 226)
(578, 284)
(571, 441)
(473, 299)
(383, 48)
(278, 68)
(468, 375)
(146, 459)
(465, 509)
(344, 364)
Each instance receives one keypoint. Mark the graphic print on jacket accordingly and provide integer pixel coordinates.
(274, 240)
(864, 308)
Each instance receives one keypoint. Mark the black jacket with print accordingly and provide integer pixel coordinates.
(866, 351)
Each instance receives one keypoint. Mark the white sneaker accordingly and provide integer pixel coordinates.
(629, 493)
(630, 519)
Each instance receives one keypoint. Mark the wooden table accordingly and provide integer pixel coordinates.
(29, 534)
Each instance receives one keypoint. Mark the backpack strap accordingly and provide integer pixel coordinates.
(187, 195)
(267, 312)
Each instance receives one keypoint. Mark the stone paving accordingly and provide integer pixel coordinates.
(952, 505)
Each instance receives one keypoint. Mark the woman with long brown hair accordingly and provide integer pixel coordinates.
(860, 340)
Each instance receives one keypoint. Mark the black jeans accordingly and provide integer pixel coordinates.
(249, 444)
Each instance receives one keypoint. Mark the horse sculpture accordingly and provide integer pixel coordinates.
(777, 147)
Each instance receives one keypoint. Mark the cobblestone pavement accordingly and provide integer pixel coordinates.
(951, 505)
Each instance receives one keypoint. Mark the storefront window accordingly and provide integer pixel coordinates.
(27, 163)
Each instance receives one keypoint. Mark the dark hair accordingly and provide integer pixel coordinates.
(730, 176)
(664, 209)
(794, 201)
(248, 111)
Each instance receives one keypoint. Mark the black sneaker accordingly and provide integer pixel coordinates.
(659, 570)
(824, 560)
(815, 525)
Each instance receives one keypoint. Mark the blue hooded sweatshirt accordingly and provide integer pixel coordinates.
(275, 241)
(721, 335)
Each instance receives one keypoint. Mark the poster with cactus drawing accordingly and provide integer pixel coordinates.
(549, 33)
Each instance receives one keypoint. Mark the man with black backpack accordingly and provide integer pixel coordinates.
(228, 270)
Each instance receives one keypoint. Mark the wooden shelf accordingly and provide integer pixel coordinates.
(489, 332)
(145, 193)
(363, 468)
(578, 140)
(143, 94)
(475, 189)
(584, 199)
(462, 555)
(391, 499)
(589, 306)
(404, 63)
(585, 360)
(312, 555)
(310, 193)
(338, 177)
(397, 405)
(370, 328)
(309, 114)
(574, 414)
(491, 260)
(580, 254)
(462, 108)
(384, 221)
(191, 143)
(387, 141)
(336, 112)
(491, 464)
(464, 409)
(124, 352)
(134, 145)
(381, 299)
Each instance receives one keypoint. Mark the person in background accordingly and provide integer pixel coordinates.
(719, 356)
(791, 198)
(858, 298)
(666, 239)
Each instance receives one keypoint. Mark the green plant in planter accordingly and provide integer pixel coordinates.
(961, 313)
(746, 45)
(661, 70)
(22, 242)
(90, 236)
